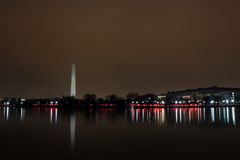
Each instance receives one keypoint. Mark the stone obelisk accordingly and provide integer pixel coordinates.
(73, 92)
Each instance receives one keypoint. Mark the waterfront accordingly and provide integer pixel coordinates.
(119, 134)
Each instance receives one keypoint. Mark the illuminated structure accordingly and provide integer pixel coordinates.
(205, 96)
(73, 92)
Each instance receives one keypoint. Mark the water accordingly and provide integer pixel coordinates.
(189, 133)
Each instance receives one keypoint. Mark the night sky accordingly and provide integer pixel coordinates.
(118, 45)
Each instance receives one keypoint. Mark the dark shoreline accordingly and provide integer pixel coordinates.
(115, 106)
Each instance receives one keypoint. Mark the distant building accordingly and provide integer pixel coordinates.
(162, 97)
(205, 96)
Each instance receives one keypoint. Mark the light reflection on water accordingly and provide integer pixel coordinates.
(162, 117)
(167, 117)
(72, 130)
(226, 116)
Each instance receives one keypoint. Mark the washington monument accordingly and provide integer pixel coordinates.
(73, 92)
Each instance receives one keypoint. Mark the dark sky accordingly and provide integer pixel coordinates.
(118, 45)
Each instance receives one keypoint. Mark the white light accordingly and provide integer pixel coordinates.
(212, 102)
(227, 101)
(180, 102)
(142, 101)
(176, 102)
(51, 102)
(223, 101)
(132, 101)
(23, 100)
(56, 102)
(232, 100)
(137, 102)
(189, 101)
(8, 103)
(163, 102)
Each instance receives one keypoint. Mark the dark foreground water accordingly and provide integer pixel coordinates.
(176, 133)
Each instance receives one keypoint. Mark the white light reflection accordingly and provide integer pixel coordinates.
(189, 115)
(219, 113)
(158, 115)
(186, 115)
(147, 113)
(180, 115)
(176, 115)
(132, 114)
(143, 112)
(163, 116)
(149, 116)
(136, 115)
(213, 114)
(22, 114)
(4, 113)
(204, 114)
(224, 114)
(227, 115)
(51, 115)
(7, 114)
(56, 115)
(233, 116)
(198, 114)
(72, 130)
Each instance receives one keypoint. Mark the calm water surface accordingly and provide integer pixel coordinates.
(189, 133)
